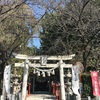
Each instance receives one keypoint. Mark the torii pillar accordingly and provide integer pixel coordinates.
(62, 87)
(25, 77)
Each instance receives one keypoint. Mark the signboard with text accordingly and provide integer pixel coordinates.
(95, 83)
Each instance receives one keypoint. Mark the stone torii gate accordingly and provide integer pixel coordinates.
(43, 63)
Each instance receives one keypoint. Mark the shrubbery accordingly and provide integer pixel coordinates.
(87, 85)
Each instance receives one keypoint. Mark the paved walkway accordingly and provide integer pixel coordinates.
(41, 97)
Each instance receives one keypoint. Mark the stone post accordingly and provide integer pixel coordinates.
(25, 77)
(62, 86)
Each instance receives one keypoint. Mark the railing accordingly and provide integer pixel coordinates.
(12, 96)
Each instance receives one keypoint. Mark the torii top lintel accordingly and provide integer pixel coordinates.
(65, 57)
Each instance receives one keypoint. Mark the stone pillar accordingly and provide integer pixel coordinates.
(49, 85)
(33, 83)
(62, 86)
(25, 77)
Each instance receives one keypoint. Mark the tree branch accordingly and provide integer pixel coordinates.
(16, 6)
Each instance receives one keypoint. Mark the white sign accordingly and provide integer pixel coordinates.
(7, 72)
(75, 80)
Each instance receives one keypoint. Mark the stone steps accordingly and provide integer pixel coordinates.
(41, 97)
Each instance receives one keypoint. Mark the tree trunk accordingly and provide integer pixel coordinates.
(2, 66)
(84, 60)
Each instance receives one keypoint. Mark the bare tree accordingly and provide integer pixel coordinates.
(78, 25)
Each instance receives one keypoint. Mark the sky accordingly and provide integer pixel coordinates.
(35, 41)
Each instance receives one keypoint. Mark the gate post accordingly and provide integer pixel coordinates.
(62, 87)
(25, 76)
